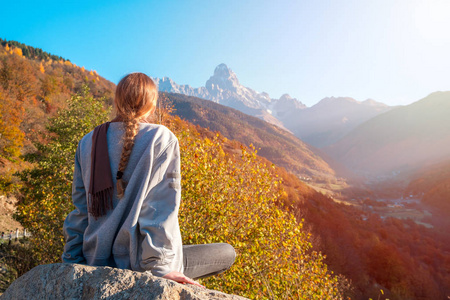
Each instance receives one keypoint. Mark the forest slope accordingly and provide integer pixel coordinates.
(272, 142)
(432, 184)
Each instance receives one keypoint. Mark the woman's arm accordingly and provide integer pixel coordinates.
(77, 221)
(158, 219)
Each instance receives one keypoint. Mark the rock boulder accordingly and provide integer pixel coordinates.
(73, 281)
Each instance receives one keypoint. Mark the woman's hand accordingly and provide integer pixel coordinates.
(181, 278)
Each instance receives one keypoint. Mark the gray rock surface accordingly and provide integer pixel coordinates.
(73, 281)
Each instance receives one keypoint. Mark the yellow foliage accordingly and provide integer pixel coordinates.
(91, 73)
(18, 51)
(7, 47)
(68, 63)
(41, 68)
(82, 69)
(10, 119)
(234, 200)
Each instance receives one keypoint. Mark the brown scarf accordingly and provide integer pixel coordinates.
(101, 186)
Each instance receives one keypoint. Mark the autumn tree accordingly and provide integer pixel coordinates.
(11, 137)
(46, 194)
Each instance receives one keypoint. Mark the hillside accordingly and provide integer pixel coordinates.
(272, 142)
(331, 119)
(33, 86)
(370, 253)
(403, 139)
(432, 184)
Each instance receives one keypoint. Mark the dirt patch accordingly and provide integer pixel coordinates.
(7, 209)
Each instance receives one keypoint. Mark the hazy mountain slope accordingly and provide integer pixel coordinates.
(331, 119)
(275, 144)
(433, 185)
(402, 139)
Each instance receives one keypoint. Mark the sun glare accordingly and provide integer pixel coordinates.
(432, 19)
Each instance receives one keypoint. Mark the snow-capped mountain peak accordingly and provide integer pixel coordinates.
(223, 79)
(224, 87)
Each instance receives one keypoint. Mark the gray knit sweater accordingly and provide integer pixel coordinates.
(142, 232)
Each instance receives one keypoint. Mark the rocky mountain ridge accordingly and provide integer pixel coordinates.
(320, 125)
(223, 87)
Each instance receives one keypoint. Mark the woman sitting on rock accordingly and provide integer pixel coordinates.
(130, 220)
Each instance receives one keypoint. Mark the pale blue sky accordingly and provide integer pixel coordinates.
(393, 51)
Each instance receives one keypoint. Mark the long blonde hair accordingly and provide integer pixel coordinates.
(135, 99)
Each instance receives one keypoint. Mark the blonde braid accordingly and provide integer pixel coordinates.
(131, 129)
(135, 99)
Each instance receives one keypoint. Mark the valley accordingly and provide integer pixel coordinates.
(402, 207)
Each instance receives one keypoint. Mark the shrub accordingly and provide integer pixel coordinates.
(45, 198)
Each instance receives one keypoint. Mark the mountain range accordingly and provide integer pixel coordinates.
(319, 125)
(223, 87)
(331, 119)
(368, 137)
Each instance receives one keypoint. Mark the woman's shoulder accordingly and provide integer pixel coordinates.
(155, 138)
(159, 132)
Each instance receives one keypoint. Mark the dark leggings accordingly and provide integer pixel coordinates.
(208, 259)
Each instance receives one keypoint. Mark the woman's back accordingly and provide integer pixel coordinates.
(131, 235)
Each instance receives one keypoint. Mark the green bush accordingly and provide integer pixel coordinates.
(45, 198)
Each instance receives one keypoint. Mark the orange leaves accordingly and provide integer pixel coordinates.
(10, 118)
(17, 51)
